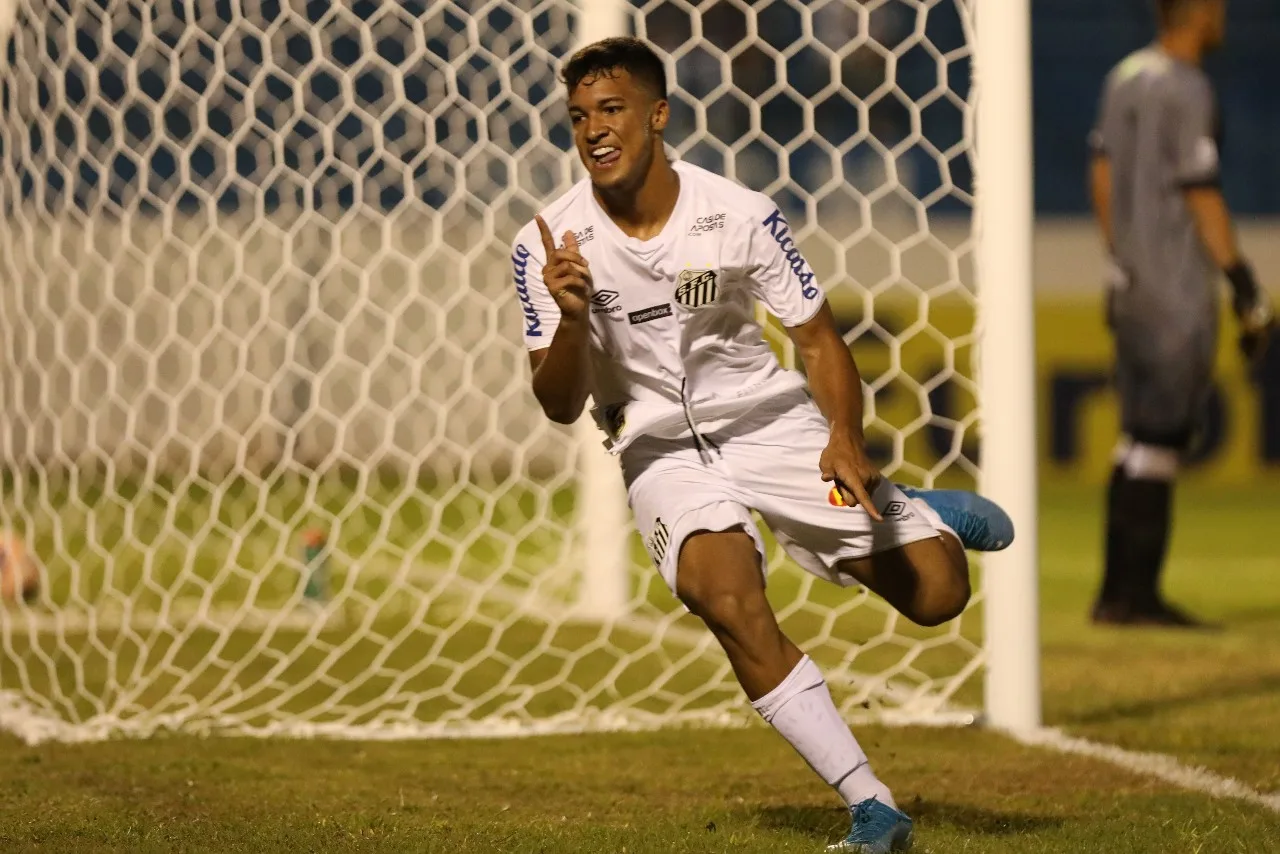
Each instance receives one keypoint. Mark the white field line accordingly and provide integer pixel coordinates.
(1157, 765)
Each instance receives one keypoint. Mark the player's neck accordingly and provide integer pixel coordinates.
(1183, 45)
(643, 211)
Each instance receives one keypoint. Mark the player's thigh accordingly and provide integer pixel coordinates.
(778, 465)
(720, 577)
(674, 495)
(926, 580)
(1163, 388)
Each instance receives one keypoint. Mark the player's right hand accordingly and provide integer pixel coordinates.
(566, 273)
(1256, 328)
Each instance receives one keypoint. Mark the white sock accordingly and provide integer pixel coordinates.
(801, 709)
(932, 515)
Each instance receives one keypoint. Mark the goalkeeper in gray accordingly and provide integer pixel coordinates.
(1156, 194)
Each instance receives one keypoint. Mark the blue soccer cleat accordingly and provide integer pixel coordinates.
(877, 829)
(979, 522)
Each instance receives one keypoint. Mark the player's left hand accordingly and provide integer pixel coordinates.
(844, 462)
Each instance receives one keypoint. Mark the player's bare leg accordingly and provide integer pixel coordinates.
(719, 579)
(926, 581)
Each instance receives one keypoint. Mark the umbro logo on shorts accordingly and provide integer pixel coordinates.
(696, 288)
(892, 510)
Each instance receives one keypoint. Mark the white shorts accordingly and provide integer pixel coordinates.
(767, 461)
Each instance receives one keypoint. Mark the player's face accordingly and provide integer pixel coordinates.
(617, 124)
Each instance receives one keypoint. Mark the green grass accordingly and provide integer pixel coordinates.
(428, 581)
(1210, 699)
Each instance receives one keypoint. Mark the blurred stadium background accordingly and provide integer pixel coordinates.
(118, 120)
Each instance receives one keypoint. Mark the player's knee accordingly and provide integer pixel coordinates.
(725, 608)
(944, 599)
(943, 590)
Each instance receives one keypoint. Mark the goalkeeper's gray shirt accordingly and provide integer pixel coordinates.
(1158, 126)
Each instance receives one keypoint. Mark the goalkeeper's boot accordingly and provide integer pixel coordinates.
(877, 829)
(979, 522)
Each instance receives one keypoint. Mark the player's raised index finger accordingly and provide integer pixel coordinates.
(864, 498)
(548, 242)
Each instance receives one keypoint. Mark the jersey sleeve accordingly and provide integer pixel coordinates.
(1193, 111)
(780, 276)
(540, 314)
(1099, 138)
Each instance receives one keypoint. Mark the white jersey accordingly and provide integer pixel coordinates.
(675, 347)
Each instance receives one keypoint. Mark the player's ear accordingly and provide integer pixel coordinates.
(659, 115)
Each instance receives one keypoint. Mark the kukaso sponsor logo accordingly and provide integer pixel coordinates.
(653, 312)
(696, 288)
(520, 268)
(602, 302)
(781, 234)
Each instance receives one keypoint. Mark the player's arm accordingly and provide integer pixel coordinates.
(1100, 193)
(1251, 304)
(837, 389)
(785, 282)
(560, 375)
(1197, 171)
(561, 372)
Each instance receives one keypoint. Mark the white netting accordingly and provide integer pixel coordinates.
(256, 285)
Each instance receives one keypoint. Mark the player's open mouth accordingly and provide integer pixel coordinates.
(606, 155)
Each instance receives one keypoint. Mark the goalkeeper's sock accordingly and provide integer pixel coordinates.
(801, 709)
(1150, 516)
(1115, 580)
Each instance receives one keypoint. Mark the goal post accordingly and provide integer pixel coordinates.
(1005, 220)
(603, 520)
(265, 421)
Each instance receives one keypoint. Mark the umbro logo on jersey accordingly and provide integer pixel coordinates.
(602, 302)
(653, 312)
(696, 288)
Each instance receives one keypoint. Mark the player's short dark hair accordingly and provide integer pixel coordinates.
(614, 54)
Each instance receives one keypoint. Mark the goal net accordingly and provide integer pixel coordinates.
(265, 425)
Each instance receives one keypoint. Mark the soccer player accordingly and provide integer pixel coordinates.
(1156, 195)
(646, 306)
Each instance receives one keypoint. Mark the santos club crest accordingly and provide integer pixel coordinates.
(696, 288)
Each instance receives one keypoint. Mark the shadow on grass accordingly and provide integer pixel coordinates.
(1233, 689)
(974, 819)
(830, 824)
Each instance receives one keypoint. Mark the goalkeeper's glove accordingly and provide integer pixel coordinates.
(1253, 309)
